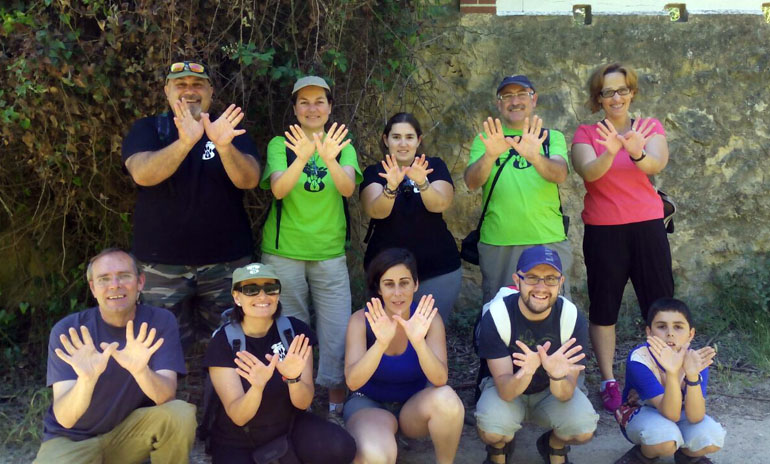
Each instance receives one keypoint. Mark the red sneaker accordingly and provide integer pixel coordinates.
(611, 396)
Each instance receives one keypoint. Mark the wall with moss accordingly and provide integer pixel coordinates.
(706, 80)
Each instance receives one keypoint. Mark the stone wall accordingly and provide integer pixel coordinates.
(707, 80)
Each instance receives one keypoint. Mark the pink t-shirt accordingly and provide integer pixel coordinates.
(624, 194)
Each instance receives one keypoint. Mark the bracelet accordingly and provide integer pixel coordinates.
(291, 381)
(556, 379)
(693, 384)
(424, 186)
(636, 160)
(389, 193)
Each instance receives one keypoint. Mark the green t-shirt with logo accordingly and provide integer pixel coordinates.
(312, 216)
(525, 208)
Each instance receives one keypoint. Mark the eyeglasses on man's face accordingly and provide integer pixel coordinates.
(509, 97)
(549, 280)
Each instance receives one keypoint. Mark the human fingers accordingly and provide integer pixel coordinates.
(109, 349)
(74, 338)
(577, 367)
(543, 136)
(63, 356)
(342, 132)
(488, 125)
(237, 119)
(523, 346)
(498, 126)
(246, 367)
(547, 345)
(538, 125)
(296, 343)
(86, 336)
(305, 349)
(611, 127)
(525, 128)
(243, 373)
(573, 351)
(576, 359)
(431, 316)
(400, 321)
(156, 346)
(142, 335)
(566, 345)
(246, 357)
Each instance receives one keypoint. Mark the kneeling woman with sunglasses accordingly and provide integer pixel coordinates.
(396, 366)
(265, 389)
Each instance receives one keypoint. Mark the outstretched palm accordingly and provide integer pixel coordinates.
(416, 328)
(82, 355)
(136, 355)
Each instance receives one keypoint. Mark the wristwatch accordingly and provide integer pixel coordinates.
(636, 160)
(693, 384)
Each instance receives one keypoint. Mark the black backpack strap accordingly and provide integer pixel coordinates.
(163, 127)
(492, 189)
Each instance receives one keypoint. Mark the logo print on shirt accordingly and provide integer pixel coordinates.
(518, 161)
(315, 175)
(278, 350)
(209, 152)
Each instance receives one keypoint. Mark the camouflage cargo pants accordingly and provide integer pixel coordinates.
(197, 295)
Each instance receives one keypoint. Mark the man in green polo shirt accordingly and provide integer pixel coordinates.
(525, 209)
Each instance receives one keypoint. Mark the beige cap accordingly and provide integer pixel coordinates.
(307, 81)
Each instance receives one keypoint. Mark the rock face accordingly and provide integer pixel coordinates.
(706, 80)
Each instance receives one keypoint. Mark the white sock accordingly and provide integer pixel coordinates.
(335, 407)
(604, 384)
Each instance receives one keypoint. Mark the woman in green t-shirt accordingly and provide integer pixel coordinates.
(310, 171)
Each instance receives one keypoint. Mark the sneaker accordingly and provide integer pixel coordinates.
(635, 456)
(681, 458)
(611, 396)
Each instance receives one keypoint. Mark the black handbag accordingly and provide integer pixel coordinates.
(669, 209)
(469, 247)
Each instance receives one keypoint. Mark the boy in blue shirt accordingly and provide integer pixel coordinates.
(670, 380)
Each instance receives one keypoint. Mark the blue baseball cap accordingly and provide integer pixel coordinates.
(519, 79)
(538, 255)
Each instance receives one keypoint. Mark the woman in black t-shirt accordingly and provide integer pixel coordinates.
(265, 389)
(405, 195)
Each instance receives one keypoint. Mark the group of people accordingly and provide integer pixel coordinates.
(113, 368)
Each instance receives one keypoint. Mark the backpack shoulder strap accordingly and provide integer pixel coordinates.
(235, 336)
(284, 327)
(546, 143)
(569, 313)
(500, 315)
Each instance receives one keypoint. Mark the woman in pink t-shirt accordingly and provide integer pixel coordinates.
(623, 214)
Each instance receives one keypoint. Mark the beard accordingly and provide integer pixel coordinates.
(538, 306)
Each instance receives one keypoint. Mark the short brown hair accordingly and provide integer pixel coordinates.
(596, 82)
(109, 251)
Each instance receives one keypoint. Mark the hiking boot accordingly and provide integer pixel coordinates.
(635, 456)
(681, 458)
(611, 397)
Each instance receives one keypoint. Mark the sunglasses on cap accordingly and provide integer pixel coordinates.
(272, 288)
(188, 65)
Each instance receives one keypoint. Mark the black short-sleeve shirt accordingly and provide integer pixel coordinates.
(276, 410)
(410, 225)
(532, 333)
(196, 216)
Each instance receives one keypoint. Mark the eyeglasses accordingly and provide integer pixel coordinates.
(106, 280)
(188, 65)
(509, 97)
(609, 93)
(550, 280)
(273, 288)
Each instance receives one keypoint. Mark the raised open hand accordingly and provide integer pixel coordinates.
(383, 327)
(419, 170)
(223, 130)
(609, 137)
(697, 360)
(190, 130)
(529, 142)
(417, 326)
(495, 140)
(138, 350)
(527, 361)
(394, 173)
(667, 356)
(332, 144)
(563, 361)
(635, 139)
(254, 370)
(82, 355)
(298, 142)
(294, 362)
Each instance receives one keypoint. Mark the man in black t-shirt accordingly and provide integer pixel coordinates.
(190, 227)
(113, 370)
(532, 342)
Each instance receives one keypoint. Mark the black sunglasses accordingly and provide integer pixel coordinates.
(273, 288)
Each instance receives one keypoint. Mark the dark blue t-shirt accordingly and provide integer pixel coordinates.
(116, 394)
(196, 216)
